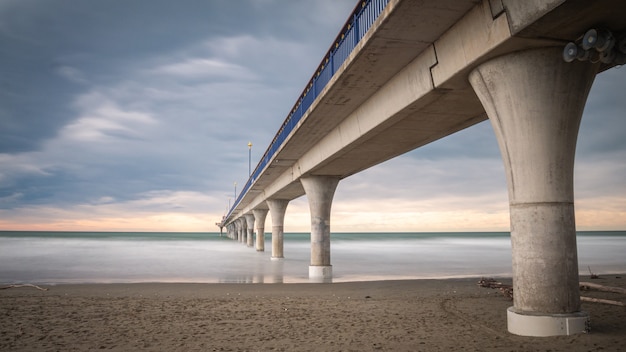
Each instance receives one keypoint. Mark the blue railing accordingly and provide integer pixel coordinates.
(362, 18)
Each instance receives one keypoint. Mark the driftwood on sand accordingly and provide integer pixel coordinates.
(600, 300)
(590, 285)
(23, 285)
(507, 290)
(584, 286)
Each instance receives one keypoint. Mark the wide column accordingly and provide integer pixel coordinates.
(320, 191)
(535, 102)
(278, 207)
(259, 217)
(250, 226)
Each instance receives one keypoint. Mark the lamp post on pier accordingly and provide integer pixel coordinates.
(249, 159)
(235, 191)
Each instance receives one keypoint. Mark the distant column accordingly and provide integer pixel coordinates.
(237, 228)
(278, 207)
(535, 101)
(259, 218)
(229, 230)
(242, 229)
(250, 226)
(320, 191)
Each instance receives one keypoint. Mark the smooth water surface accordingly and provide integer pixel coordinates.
(101, 257)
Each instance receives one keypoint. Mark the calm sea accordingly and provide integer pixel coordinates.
(108, 257)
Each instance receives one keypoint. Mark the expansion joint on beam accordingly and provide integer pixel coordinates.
(497, 8)
(430, 69)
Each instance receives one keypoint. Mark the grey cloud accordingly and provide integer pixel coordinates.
(604, 120)
(408, 178)
(478, 141)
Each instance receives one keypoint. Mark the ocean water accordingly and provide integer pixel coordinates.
(115, 257)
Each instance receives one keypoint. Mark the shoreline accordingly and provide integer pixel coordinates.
(389, 315)
(289, 280)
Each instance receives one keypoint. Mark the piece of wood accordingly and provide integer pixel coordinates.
(506, 290)
(604, 301)
(589, 285)
(23, 285)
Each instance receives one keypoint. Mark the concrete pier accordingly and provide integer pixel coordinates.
(242, 230)
(278, 207)
(250, 228)
(535, 101)
(259, 217)
(320, 191)
(237, 223)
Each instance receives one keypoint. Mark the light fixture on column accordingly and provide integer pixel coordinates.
(597, 45)
(599, 39)
(573, 51)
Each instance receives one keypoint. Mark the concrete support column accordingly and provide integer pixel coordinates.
(535, 101)
(237, 229)
(277, 209)
(242, 230)
(250, 227)
(320, 191)
(259, 217)
(231, 230)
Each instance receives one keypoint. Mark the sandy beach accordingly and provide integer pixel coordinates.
(415, 315)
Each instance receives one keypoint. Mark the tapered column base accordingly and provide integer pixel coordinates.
(547, 325)
(321, 274)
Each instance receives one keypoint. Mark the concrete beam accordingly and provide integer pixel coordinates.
(449, 38)
(470, 39)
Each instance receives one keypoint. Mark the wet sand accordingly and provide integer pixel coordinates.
(413, 315)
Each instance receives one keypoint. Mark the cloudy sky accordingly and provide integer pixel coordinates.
(130, 115)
